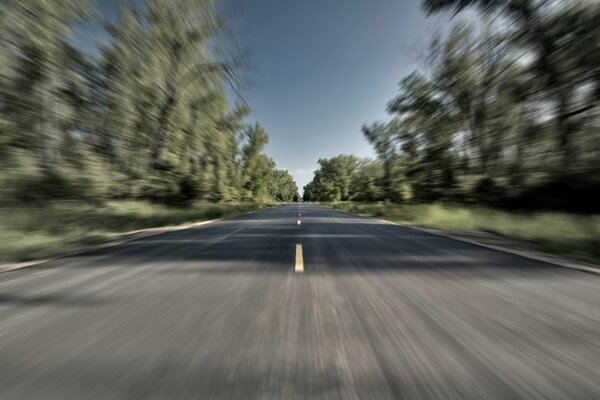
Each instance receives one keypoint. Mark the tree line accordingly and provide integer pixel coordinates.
(145, 117)
(504, 112)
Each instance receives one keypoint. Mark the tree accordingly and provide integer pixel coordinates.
(382, 138)
(426, 120)
(126, 91)
(282, 186)
(149, 118)
(256, 167)
(178, 58)
(333, 180)
(35, 36)
(365, 184)
(566, 55)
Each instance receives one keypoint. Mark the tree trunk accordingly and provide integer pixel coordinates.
(387, 178)
(160, 148)
(171, 92)
(565, 131)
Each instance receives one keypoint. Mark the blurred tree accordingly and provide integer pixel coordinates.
(282, 187)
(126, 116)
(35, 71)
(562, 38)
(427, 119)
(382, 138)
(149, 119)
(256, 167)
(365, 183)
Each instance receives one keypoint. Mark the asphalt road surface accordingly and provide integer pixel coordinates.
(231, 311)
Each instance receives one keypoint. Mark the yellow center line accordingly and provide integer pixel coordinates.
(299, 268)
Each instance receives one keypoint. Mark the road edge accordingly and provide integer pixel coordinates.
(124, 237)
(525, 253)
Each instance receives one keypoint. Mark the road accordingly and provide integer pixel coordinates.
(376, 311)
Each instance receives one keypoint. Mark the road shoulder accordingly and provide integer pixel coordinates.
(494, 242)
(121, 238)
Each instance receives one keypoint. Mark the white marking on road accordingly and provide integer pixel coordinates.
(226, 236)
(299, 268)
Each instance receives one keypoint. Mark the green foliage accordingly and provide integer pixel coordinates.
(148, 119)
(282, 187)
(333, 180)
(502, 114)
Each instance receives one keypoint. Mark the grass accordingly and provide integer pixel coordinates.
(33, 233)
(565, 234)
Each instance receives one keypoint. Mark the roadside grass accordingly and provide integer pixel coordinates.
(565, 234)
(30, 233)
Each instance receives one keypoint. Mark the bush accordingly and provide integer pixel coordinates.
(52, 184)
(188, 190)
(158, 189)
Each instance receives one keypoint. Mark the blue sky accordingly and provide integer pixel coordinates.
(321, 68)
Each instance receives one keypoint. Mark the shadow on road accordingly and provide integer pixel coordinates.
(48, 299)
